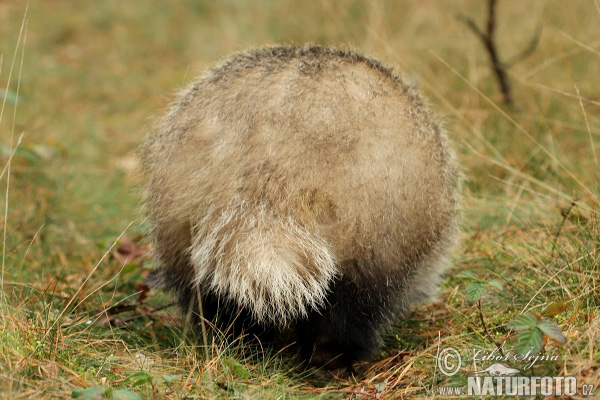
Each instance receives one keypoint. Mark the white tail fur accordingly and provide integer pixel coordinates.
(271, 265)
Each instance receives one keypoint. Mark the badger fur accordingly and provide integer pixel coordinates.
(304, 188)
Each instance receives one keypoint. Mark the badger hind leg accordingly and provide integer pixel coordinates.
(347, 330)
(254, 259)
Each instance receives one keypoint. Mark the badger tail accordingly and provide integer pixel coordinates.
(271, 265)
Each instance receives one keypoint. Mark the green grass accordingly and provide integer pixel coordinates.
(94, 76)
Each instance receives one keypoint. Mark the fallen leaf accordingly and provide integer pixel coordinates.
(143, 293)
(129, 251)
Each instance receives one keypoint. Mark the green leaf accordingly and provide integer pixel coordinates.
(554, 309)
(140, 378)
(466, 274)
(530, 340)
(140, 375)
(236, 368)
(495, 284)
(92, 393)
(525, 321)
(552, 330)
(475, 290)
(123, 394)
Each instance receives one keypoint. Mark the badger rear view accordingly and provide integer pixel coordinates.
(305, 189)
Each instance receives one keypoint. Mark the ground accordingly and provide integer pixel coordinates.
(81, 82)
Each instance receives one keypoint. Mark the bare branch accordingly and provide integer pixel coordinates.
(565, 214)
(489, 41)
(491, 22)
(498, 346)
(473, 26)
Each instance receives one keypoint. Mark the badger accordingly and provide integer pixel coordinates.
(301, 188)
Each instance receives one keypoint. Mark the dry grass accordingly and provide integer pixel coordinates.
(95, 73)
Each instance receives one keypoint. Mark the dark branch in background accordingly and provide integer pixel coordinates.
(488, 39)
(565, 214)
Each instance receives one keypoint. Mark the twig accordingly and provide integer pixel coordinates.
(132, 307)
(498, 346)
(488, 39)
(565, 215)
(162, 307)
(120, 308)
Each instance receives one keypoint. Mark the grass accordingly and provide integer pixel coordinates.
(88, 80)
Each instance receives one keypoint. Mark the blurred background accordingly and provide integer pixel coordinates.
(95, 74)
(84, 80)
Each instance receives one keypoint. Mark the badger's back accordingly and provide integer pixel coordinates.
(284, 170)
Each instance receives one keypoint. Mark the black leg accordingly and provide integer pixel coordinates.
(347, 330)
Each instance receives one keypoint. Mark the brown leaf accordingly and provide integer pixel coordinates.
(143, 293)
(554, 309)
(129, 251)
